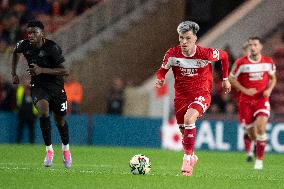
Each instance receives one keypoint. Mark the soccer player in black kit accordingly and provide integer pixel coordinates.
(46, 68)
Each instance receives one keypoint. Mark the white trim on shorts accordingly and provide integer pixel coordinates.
(202, 105)
(263, 111)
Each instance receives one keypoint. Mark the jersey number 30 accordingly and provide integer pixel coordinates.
(63, 106)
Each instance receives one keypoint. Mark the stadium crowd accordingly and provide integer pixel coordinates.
(14, 14)
(54, 13)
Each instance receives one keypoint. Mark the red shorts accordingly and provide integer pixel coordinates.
(199, 102)
(250, 109)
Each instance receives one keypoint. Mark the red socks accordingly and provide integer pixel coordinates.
(189, 139)
(248, 143)
(260, 147)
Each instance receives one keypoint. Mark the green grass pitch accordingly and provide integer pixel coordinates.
(21, 166)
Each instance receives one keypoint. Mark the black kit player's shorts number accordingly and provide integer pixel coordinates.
(64, 106)
(55, 95)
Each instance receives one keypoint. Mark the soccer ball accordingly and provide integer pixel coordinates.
(140, 165)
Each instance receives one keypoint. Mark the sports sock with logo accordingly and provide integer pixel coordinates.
(189, 138)
(260, 146)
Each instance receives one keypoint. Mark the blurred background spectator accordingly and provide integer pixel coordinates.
(74, 92)
(115, 97)
(14, 14)
(27, 113)
(7, 95)
(55, 13)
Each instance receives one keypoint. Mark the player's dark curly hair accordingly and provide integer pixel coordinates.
(256, 38)
(35, 23)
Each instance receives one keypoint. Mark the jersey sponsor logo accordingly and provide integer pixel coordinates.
(189, 72)
(255, 68)
(188, 63)
(256, 76)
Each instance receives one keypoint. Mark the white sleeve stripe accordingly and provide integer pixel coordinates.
(232, 75)
(168, 65)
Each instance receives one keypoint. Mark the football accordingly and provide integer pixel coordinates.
(140, 164)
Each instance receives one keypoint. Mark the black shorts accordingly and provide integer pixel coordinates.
(55, 95)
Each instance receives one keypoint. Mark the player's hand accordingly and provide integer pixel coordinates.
(34, 70)
(159, 83)
(226, 86)
(15, 79)
(267, 93)
(250, 91)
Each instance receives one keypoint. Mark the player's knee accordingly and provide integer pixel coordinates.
(43, 113)
(189, 119)
(252, 134)
(191, 116)
(43, 108)
(261, 130)
(59, 121)
(261, 127)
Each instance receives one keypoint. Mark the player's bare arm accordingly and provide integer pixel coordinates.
(272, 83)
(226, 86)
(36, 70)
(159, 83)
(15, 60)
(236, 84)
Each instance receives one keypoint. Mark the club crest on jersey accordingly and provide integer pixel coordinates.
(202, 63)
(41, 53)
(177, 62)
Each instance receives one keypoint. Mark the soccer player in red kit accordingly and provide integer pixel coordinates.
(254, 76)
(191, 66)
(249, 144)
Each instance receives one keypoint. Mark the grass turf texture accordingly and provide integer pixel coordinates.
(21, 166)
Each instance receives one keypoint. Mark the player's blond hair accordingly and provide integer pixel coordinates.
(188, 26)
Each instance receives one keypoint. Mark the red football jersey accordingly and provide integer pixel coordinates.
(253, 74)
(193, 74)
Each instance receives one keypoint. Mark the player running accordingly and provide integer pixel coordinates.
(191, 66)
(46, 68)
(254, 76)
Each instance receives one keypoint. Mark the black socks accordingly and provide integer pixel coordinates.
(46, 130)
(64, 133)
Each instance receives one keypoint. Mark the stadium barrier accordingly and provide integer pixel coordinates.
(78, 125)
(106, 130)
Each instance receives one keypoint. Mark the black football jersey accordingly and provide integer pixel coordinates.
(49, 55)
